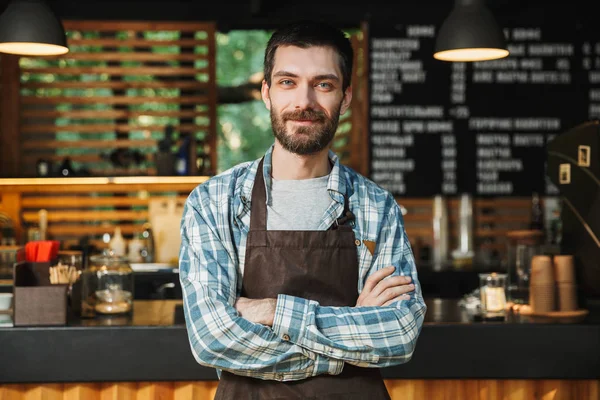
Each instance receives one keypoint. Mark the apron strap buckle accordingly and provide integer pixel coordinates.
(348, 216)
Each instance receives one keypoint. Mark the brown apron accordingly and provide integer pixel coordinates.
(316, 265)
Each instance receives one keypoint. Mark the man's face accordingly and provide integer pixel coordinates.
(305, 98)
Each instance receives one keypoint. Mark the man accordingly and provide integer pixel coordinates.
(297, 274)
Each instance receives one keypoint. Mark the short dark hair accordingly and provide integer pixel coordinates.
(306, 34)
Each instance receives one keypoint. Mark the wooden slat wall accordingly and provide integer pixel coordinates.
(492, 218)
(125, 79)
(398, 389)
(74, 215)
(353, 124)
(91, 210)
(79, 210)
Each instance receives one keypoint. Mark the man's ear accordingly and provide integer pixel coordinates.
(346, 100)
(264, 91)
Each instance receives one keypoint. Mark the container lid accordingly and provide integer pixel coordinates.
(526, 236)
(109, 258)
(69, 253)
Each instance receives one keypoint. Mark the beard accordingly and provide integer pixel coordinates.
(305, 140)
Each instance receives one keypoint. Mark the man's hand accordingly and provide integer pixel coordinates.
(383, 292)
(260, 311)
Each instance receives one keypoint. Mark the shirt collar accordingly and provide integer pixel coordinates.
(336, 185)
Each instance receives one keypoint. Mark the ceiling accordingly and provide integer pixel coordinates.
(233, 14)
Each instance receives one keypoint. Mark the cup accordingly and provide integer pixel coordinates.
(542, 298)
(5, 302)
(567, 296)
(564, 269)
(542, 271)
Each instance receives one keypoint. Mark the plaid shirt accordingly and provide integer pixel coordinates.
(306, 339)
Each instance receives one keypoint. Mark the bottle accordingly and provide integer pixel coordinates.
(537, 214)
(43, 222)
(66, 168)
(117, 243)
(556, 228)
(440, 232)
(165, 160)
(136, 246)
(183, 157)
(464, 254)
(148, 238)
(43, 168)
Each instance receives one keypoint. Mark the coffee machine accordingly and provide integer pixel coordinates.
(573, 166)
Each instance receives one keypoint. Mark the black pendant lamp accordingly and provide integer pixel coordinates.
(470, 33)
(30, 28)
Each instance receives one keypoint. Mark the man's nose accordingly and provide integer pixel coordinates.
(305, 97)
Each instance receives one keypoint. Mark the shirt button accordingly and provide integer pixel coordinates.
(286, 337)
(280, 377)
(357, 242)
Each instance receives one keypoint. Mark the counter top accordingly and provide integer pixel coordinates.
(152, 345)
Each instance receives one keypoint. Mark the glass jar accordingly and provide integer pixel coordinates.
(492, 289)
(9, 255)
(107, 286)
(523, 245)
(70, 258)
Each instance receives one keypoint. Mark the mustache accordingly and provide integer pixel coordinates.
(306, 114)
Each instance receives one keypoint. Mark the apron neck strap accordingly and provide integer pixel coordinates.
(346, 216)
(258, 204)
(258, 214)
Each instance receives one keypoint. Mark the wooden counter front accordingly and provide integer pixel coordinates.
(399, 390)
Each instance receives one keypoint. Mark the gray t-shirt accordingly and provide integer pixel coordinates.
(298, 204)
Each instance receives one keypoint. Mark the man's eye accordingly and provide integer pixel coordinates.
(325, 85)
(286, 82)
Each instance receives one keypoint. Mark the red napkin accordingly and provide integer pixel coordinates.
(31, 249)
(41, 250)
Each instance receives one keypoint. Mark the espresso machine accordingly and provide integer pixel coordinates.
(573, 166)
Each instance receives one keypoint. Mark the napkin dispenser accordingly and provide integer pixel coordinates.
(37, 302)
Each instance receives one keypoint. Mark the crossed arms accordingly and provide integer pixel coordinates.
(291, 338)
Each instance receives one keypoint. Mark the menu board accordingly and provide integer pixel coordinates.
(447, 128)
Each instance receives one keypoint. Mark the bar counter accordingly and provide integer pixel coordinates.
(149, 352)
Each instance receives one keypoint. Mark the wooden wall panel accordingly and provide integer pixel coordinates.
(492, 219)
(77, 210)
(455, 389)
(10, 149)
(119, 87)
(72, 207)
(353, 125)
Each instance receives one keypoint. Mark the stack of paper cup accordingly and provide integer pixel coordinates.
(564, 271)
(542, 286)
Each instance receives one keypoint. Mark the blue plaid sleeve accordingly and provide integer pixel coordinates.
(218, 336)
(363, 336)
